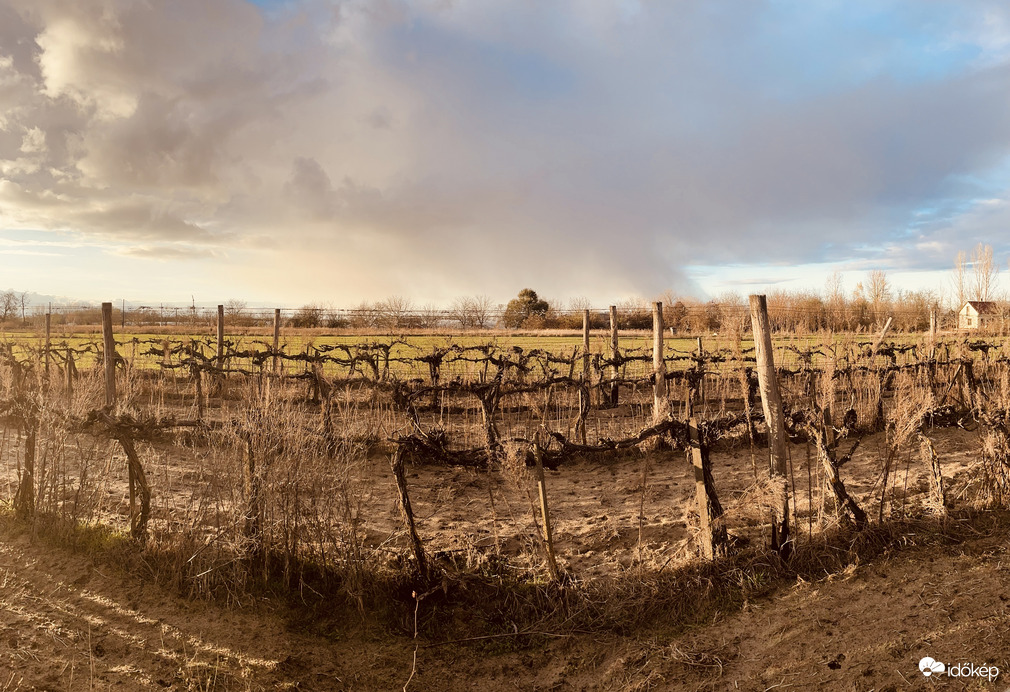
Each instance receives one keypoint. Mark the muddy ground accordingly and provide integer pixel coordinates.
(67, 623)
(70, 621)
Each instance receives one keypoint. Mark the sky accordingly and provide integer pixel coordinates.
(340, 151)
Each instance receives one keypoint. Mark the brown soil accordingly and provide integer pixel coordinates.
(68, 622)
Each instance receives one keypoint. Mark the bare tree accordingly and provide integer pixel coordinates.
(668, 297)
(23, 301)
(364, 314)
(482, 309)
(984, 273)
(8, 305)
(396, 311)
(234, 307)
(958, 279)
(428, 316)
(235, 312)
(572, 318)
(878, 292)
(733, 314)
(310, 315)
(462, 311)
(835, 298)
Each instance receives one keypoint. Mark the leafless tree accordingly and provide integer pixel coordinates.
(483, 308)
(364, 314)
(428, 316)
(310, 315)
(878, 292)
(984, 273)
(235, 313)
(462, 311)
(958, 279)
(23, 301)
(835, 299)
(668, 297)
(395, 311)
(733, 314)
(8, 305)
(234, 307)
(472, 312)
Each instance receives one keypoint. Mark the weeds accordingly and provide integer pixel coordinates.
(272, 489)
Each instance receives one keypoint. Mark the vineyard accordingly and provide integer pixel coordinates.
(237, 462)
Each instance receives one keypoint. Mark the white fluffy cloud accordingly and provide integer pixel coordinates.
(354, 149)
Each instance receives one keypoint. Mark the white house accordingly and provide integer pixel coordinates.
(976, 314)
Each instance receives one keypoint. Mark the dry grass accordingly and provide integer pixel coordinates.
(274, 502)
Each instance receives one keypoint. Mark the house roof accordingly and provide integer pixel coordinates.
(982, 306)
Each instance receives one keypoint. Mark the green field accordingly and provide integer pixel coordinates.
(133, 345)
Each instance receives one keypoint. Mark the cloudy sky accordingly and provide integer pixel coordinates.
(348, 150)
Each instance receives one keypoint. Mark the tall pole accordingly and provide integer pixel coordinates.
(660, 403)
(49, 320)
(109, 346)
(771, 401)
(932, 333)
(277, 338)
(614, 386)
(220, 336)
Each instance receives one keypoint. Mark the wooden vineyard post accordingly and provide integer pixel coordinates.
(195, 372)
(878, 422)
(695, 391)
(49, 320)
(220, 336)
(771, 402)
(587, 378)
(700, 364)
(277, 339)
(253, 528)
(70, 374)
(660, 404)
(396, 463)
(880, 337)
(932, 334)
(712, 535)
(109, 346)
(548, 537)
(614, 386)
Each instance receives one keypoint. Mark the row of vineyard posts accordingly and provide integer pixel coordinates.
(509, 371)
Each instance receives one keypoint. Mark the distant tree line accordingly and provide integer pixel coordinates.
(865, 307)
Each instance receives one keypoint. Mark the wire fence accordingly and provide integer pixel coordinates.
(679, 317)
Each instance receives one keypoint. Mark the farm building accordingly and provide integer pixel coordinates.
(976, 314)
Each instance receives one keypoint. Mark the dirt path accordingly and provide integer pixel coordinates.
(67, 624)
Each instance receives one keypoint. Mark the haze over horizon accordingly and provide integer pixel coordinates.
(345, 151)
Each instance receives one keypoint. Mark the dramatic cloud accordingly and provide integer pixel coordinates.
(347, 150)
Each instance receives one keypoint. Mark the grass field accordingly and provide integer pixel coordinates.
(408, 346)
(314, 470)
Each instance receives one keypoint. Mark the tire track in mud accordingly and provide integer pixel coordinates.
(64, 625)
